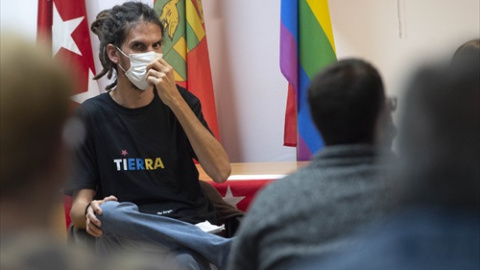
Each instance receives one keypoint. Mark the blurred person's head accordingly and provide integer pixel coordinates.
(34, 109)
(113, 28)
(347, 100)
(468, 51)
(439, 136)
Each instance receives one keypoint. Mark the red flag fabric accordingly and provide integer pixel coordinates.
(290, 128)
(63, 24)
(241, 193)
(44, 22)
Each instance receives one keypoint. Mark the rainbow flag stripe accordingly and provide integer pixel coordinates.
(306, 46)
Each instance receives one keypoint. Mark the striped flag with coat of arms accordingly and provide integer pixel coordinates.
(185, 49)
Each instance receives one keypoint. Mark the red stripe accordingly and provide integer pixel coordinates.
(44, 22)
(290, 129)
(200, 83)
(182, 84)
(67, 206)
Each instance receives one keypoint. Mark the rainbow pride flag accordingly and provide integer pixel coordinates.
(306, 46)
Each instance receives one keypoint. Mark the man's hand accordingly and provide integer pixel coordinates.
(209, 151)
(161, 75)
(93, 224)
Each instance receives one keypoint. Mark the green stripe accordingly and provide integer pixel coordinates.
(177, 62)
(192, 39)
(315, 51)
(169, 54)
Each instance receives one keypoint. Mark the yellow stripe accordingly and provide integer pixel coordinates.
(320, 10)
(181, 48)
(194, 20)
(178, 78)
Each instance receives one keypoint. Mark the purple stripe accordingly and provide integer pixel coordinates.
(303, 153)
(289, 57)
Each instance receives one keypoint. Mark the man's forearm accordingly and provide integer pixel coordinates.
(80, 201)
(210, 153)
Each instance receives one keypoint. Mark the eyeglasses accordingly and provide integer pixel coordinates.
(391, 103)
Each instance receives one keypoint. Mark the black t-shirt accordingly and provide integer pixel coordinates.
(141, 156)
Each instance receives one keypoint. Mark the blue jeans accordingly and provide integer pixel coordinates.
(123, 225)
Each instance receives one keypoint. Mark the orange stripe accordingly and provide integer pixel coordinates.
(200, 83)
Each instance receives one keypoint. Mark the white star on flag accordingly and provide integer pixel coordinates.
(62, 33)
(232, 200)
(93, 90)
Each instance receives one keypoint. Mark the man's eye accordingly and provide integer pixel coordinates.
(137, 47)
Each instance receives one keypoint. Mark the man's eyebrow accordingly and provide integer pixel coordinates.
(134, 42)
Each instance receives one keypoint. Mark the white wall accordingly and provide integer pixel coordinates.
(243, 39)
(20, 17)
(398, 35)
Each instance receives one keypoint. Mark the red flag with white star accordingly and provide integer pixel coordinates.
(64, 25)
(241, 194)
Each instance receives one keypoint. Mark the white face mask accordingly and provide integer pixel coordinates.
(138, 67)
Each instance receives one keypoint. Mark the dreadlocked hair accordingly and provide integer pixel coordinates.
(112, 26)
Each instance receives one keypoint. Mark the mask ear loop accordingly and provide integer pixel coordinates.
(119, 61)
(122, 52)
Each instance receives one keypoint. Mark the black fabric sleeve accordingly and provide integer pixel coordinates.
(85, 169)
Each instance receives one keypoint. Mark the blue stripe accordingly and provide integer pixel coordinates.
(289, 16)
(306, 128)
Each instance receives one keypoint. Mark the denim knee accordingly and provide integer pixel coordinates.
(108, 208)
(190, 262)
(114, 215)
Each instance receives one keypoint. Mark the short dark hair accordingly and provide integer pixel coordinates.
(438, 142)
(112, 26)
(467, 50)
(345, 101)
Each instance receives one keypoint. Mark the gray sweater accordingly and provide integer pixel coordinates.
(309, 211)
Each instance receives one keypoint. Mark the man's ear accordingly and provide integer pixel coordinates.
(112, 53)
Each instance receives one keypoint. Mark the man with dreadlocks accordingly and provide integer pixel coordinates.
(135, 180)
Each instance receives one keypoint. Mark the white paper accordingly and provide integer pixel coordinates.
(210, 228)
